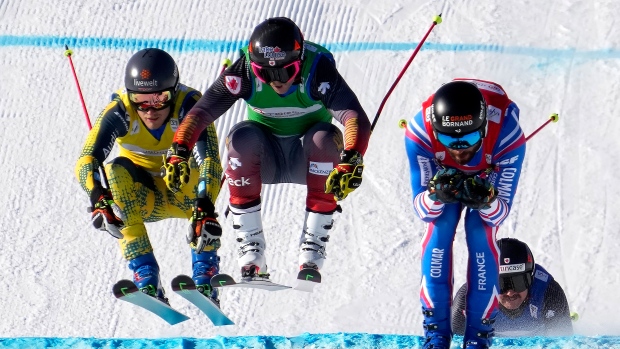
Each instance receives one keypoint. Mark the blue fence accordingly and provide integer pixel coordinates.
(316, 341)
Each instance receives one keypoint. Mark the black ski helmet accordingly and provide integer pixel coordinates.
(515, 257)
(459, 108)
(151, 70)
(276, 42)
(516, 265)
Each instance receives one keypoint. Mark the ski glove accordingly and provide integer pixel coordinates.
(446, 185)
(347, 176)
(204, 230)
(478, 193)
(106, 215)
(176, 167)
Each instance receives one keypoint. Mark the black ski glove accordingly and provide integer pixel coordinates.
(478, 193)
(106, 215)
(204, 230)
(446, 185)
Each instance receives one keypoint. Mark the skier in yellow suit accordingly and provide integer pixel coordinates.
(142, 120)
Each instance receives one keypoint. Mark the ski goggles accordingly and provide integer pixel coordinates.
(283, 74)
(157, 101)
(460, 142)
(517, 283)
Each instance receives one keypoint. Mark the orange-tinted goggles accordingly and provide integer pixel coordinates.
(157, 101)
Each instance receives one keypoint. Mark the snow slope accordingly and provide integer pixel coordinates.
(553, 56)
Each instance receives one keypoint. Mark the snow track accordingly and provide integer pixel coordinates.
(553, 56)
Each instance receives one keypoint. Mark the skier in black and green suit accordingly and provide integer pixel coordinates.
(293, 91)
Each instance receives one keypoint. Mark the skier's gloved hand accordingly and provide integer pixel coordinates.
(176, 166)
(446, 186)
(106, 215)
(478, 193)
(204, 229)
(347, 176)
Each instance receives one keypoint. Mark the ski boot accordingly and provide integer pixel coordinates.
(251, 250)
(309, 265)
(313, 239)
(205, 265)
(437, 329)
(252, 272)
(146, 276)
(479, 336)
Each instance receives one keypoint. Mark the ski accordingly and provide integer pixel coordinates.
(127, 291)
(224, 280)
(184, 286)
(307, 278)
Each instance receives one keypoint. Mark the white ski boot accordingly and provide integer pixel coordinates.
(251, 251)
(313, 239)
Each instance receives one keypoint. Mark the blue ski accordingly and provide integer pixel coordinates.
(127, 291)
(184, 286)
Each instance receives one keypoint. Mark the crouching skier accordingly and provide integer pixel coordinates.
(142, 119)
(465, 150)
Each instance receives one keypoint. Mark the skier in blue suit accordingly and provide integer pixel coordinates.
(465, 150)
(531, 302)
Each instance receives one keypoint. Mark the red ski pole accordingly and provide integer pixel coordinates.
(225, 64)
(436, 20)
(554, 117)
(68, 53)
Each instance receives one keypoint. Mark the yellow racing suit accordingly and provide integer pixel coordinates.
(134, 177)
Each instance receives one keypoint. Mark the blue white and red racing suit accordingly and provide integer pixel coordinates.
(503, 150)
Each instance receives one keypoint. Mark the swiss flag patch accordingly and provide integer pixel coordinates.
(233, 84)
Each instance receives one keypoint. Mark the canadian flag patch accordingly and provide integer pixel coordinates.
(233, 84)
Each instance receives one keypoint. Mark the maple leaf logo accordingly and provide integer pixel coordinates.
(233, 84)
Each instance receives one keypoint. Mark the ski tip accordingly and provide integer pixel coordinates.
(310, 275)
(124, 287)
(182, 282)
(221, 280)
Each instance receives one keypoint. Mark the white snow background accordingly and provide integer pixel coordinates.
(56, 271)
